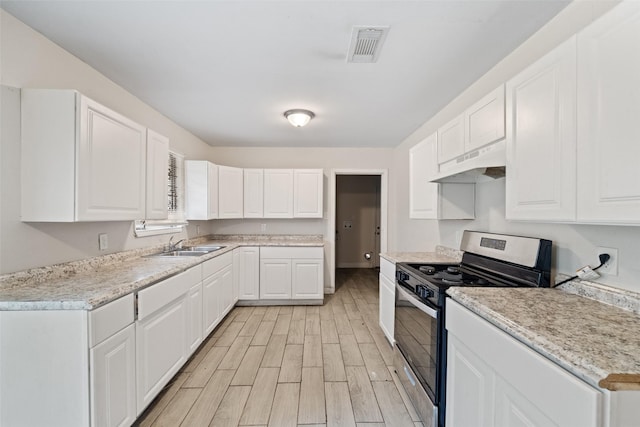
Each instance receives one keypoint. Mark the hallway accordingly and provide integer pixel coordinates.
(292, 365)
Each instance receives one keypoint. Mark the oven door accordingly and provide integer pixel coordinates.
(416, 336)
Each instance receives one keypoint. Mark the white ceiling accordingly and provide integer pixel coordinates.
(227, 70)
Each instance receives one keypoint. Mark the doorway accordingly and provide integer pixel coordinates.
(357, 221)
(332, 225)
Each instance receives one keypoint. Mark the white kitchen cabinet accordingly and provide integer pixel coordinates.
(485, 120)
(248, 272)
(541, 139)
(306, 279)
(163, 330)
(291, 273)
(387, 294)
(253, 193)
(507, 383)
(80, 160)
(157, 166)
(431, 200)
(77, 365)
(201, 188)
(113, 385)
(608, 126)
(217, 290)
(307, 193)
(451, 140)
(275, 278)
(230, 192)
(195, 335)
(278, 193)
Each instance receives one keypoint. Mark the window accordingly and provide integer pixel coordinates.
(176, 220)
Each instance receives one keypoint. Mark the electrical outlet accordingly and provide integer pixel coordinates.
(103, 241)
(263, 227)
(610, 267)
(197, 230)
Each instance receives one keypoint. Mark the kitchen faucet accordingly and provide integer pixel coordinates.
(174, 246)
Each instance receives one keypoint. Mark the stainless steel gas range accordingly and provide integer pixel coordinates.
(420, 334)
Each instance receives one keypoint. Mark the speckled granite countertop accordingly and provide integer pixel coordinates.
(597, 342)
(90, 283)
(442, 255)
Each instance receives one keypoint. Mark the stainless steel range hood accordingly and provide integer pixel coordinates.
(483, 164)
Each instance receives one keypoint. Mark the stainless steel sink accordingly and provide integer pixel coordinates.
(180, 252)
(190, 251)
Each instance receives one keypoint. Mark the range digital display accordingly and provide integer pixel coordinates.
(497, 244)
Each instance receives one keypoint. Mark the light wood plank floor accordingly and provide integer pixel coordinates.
(324, 365)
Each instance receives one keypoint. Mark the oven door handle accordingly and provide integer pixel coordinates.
(416, 302)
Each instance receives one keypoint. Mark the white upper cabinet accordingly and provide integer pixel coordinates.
(157, 166)
(230, 192)
(451, 140)
(201, 184)
(484, 120)
(253, 193)
(435, 201)
(307, 193)
(608, 124)
(278, 193)
(541, 140)
(80, 160)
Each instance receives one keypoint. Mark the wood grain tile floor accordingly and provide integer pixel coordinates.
(307, 366)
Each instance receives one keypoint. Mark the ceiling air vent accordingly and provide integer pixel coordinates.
(366, 43)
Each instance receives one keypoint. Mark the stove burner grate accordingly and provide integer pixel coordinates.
(427, 269)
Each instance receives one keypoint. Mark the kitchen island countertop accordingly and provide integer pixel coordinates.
(597, 342)
(90, 283)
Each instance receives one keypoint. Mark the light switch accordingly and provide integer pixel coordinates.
(103, 241)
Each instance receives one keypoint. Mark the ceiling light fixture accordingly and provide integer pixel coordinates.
(299, 117)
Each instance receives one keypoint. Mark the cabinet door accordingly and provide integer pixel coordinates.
(484, 120)
(113, 387)
(201, 185)
(161, 349)
(541, 140)
(230, 192)
(111, 157)
(249, 273)
(451, 140)
(157, 166)
(275, 279)
(226, 291)
(253, 193)
(211, 293)
(423, 195)
(278, 193)
(470, 384)
(307, 193)
(236, 273)
(608, 125)
(307, 279)
(195, 317)
(387, 307)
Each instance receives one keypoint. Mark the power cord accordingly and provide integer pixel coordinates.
(603, 260)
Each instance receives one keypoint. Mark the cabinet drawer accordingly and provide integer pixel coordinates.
(291, 252)
(109, 319)
(216, 264)
(388, 269)
(158, 295)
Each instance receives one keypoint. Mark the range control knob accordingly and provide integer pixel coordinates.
(402, 276)
(424, 292)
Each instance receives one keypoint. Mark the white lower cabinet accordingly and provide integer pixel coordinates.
(163, 333)
(246, 263)
(494, 380)
(387, 296)
(113, 385)
(291, 273)
(217, 290)
(195, 317)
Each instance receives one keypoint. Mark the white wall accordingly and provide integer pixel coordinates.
(30, 60)
(574, 244)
